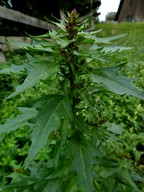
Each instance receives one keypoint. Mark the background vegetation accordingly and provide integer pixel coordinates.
(127, 111)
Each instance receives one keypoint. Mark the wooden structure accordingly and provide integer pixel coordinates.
(130, 10)
(17, 16)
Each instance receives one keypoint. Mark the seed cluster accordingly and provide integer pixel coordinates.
(71, 24)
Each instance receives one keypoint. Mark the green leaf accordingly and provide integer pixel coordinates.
(61, 38)
(115, 49)
(60, 25)
(90, 55)
(20, 120)
(137, 177)
(115, 82)
(35, 47)
(112, 127)
(107, 185)
(107, 172)
(57, 34)
(137, 155)
(128, 178)
(83, 164)
(109, 49)
(80, 124)
(37, 71)
(72, 186)
(64, 42)
(52, 108)
(53, 186)
(105, 40)
(62, 170)
(19, 186)
(39, 36)
(95, 32)
(84, 24)
(17, 69)
(63, 131)
(112, 38)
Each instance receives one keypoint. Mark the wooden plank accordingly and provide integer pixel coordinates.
(2, 57)
(17, 16)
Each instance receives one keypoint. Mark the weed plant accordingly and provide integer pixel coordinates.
(79, 138)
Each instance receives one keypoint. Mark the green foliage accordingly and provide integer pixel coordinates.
(116, 83)
(79, 143)
(110, 16)
(51, 109)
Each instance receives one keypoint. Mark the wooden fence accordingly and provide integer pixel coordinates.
(19, 17)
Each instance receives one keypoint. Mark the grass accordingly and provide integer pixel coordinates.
(134, 37)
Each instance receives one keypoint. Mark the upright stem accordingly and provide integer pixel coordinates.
(71, 59)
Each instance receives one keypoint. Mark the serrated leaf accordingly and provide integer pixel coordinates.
(109, 185)
(20, 182)
(137, 155)
(137, 177)
(53, 186)
(61, 38)
(39, 36)
(33, 47)
(92, 38)
(39, 48)
(61, 170)
(95, 32)
(60, 25)
(20, 120)
(84, 24)
(52, 108)
(83, 165)
(64, 126)
(112, 38)
(115, 49)
(72, 186)
(107, 172)
(90, 55)
(37, 71)
(109, 49)
(80, 124)
(59, 173)
(22, 185)
(128, 178)
(115, 82)
(112, 127)
(17, 69)
(31, 58)
(105, 40)
(57, 34)
(64, 42)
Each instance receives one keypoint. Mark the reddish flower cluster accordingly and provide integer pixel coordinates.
(71, 24)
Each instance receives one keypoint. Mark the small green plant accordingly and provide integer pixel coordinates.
(81, 155)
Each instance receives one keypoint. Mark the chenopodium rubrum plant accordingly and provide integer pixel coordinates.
(77, 160)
